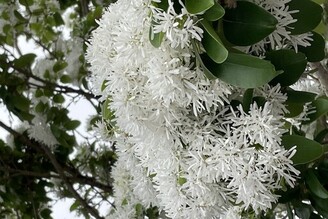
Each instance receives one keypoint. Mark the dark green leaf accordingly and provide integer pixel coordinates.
(293, 64)
(212, 44)
(58, 98)
(247, 24)
(315, 186)
(315, 52)
(247, 99)
(296, 100)
(65, 79)
(45, 213)
(214, 13)
(58, 19)
(242, 70)
(26, 2)
(306, 150)
(19, 16)
(25, 60)
(303, 211)
(308, 16)
(21, 102)
(321, 108)
(199, 60)
(72, 125)
(197, 6)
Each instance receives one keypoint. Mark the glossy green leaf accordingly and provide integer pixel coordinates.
(293, 64)
(214, 13)
(247, 24)
(308, 16)
(212, 44)
(197, 6)
(306, 150)
(25, 60)
(321, 108)
(315, 186)
(242, 70)
(315, 52)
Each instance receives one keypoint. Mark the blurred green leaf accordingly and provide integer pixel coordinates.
(58, 98)
(315, 186)
(72, 125)
(24, 61)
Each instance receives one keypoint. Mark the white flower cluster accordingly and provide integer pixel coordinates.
(281, 36)
(179, 146)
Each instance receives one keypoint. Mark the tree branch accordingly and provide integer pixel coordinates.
(88, 209)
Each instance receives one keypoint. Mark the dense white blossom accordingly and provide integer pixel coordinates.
(180, 145)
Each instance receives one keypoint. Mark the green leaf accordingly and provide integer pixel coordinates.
(212, 44)
(315, 186)
(60, 65)
(182, 181)
(19, 16)
(247, 99)
(21, 102)
(306, 150)
(26, 2)
(65, 79)
(58, 19)
(293, 64)
(308, 16)
(247, 24)
(316, 51)
(242, 70)
(106, 112)
(199, 61)
(74, 206)
(197, 6)
(58, 98)
(72, 125)
(214, 13)
(24, 61)
(321, 108)
(320, 205)
(45, 213)
(155, 38)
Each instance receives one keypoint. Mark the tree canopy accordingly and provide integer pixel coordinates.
(203, 108)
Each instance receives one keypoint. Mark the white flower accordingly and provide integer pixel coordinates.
(40, 131)
(179, 147)
(179, 28)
